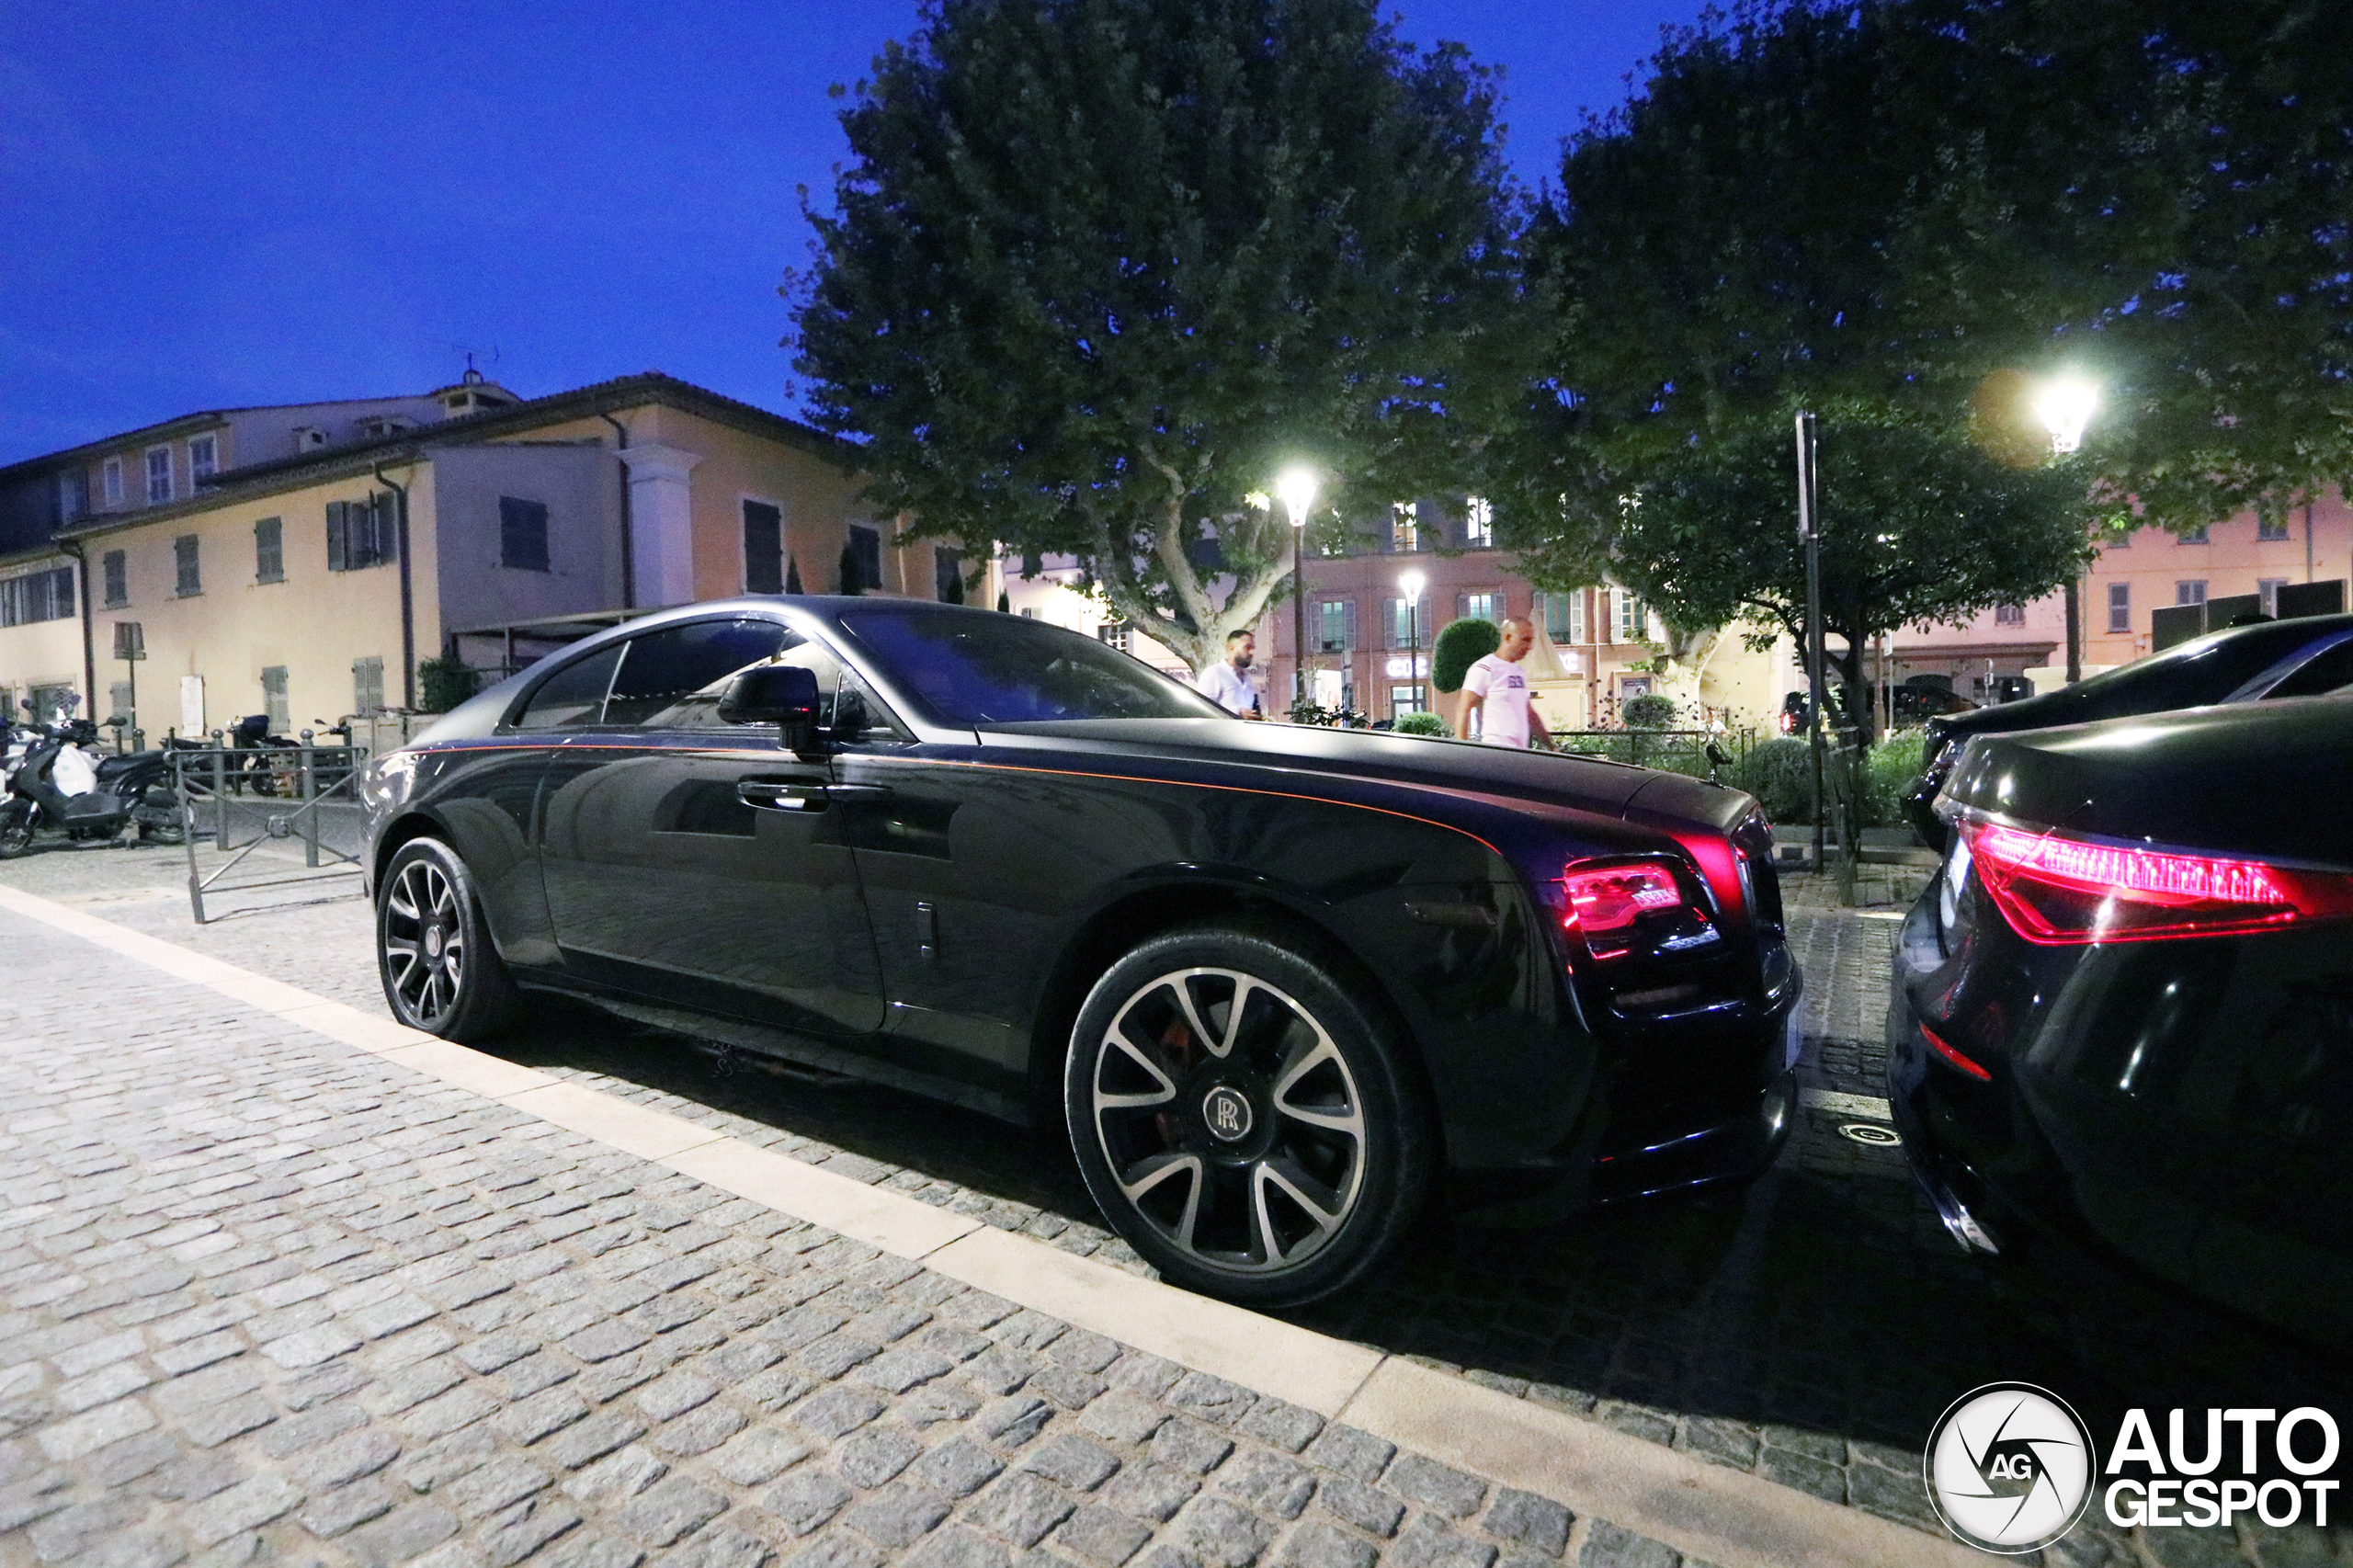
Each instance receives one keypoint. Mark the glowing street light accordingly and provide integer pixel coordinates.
(2065, 405)
(1410, 583)
(1297, 488)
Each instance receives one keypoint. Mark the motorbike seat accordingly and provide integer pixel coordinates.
(91, 808)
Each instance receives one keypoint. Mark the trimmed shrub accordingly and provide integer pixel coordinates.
(1780, 773)
(1651, 711)
(1422, 723)
(1458, 648)
(1888, 774)
(443, 684)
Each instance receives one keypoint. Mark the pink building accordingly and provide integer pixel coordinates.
(2149, 569)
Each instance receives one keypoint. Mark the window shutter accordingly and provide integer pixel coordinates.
(1391, 624)
(384, 506)
(338, 543)
(762, 548)
(1349, 625)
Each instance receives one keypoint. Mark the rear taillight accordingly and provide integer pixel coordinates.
(1647, 906)
(2056, 889)
(1951, 1058)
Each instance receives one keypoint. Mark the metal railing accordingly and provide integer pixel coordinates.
(1675, 751)
(276, 794)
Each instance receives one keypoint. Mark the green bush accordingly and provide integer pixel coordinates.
(443, 684)
(1459, 647)
(1780, 773)
(1888, 773)
(1651, 711)
(1422, 723)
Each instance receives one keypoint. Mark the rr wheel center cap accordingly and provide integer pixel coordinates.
(1226, 1111)
(433, 943)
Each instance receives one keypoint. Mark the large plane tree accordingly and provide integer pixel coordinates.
(1098, 270)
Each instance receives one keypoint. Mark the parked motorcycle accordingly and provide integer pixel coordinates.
(54, 790)
(143, 781)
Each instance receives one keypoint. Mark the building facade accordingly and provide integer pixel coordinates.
(313, 586)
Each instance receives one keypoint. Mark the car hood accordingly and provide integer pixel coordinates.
(1584, 784)
(2253, 778)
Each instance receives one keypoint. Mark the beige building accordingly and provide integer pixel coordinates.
(313, 585)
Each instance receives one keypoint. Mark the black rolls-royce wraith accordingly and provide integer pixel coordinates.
(1276, 980)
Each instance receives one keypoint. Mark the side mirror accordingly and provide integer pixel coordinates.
(782, 695)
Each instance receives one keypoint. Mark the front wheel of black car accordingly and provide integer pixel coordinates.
(440, 972)
(1251, 1130)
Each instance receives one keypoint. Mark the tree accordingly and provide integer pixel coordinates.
(1100, 268)
(1918, 524)
(1463, 645)
(793, 575)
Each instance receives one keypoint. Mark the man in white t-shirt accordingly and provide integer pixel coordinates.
(1497, 689)
(1225, 683)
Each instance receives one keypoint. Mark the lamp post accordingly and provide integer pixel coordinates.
(2065, 405)
(1297, 488)
(1810, 531)
(1410, 583)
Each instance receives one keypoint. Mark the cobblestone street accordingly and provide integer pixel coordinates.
(269, 1297)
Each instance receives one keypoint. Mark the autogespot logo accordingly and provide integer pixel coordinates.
(2010, 1467)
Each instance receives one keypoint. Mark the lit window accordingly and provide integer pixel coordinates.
(1483, 606)
(1405, 526)
(1479, 523)
(159, 476)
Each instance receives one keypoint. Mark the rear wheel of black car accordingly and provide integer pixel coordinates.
(1250, 1128)
(441, 973)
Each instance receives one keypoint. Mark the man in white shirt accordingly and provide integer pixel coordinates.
(1497, 689)
(1225, 684)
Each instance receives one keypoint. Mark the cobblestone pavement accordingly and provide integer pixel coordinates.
(1809, 1330)
(270, 1299)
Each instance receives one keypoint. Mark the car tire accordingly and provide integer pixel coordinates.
(440, 970)
(1253, 1129)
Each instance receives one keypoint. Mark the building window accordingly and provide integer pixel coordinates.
(273, 699)
(203, 458)
(1404, 699)
(1408, 621)
(42, 596)
(367, 685)
(948, 576)
(114, 567)
(763, 547)
(113, 480)
(2192, 536)
(269, 550)
(863, 554)
(2269, 587)
(1335, 626)
(189, 578)
(523, 535)
(1405, 526)
(159, 474)
(73, 495)
(2120, 607)
(1114, 633)
(1561, 615)
(2009, 615)
(2269, 528)
(1479, 523)
(1634, 617)
(2189, 593)
(1480, 607)
(363, 533)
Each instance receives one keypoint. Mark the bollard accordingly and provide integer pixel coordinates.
(220, 796)
(310, 807)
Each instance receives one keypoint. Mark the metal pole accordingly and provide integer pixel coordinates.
(310, 805)
(1298, 615)
(219, 797)
(2074, 629)
(1810, 531)
(1414, 652)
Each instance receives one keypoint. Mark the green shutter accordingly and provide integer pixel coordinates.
(385, 506)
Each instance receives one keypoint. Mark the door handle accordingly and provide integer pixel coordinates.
(782, 795)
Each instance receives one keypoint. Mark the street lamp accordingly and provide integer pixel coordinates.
(1297, 488)
(2065, 405)
(1410, 584)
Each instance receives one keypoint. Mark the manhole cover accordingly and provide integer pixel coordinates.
(1869, 1133)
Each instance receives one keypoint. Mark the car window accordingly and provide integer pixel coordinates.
(2331, 668)
(673, 678)
(574, 695)
(981, 669)
(2206, 669)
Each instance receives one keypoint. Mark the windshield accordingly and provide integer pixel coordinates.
(983, 669)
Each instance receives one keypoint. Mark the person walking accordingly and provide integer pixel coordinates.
(1497, 689)
(1225, 683)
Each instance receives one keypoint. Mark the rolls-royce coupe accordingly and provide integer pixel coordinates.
(1279, 983)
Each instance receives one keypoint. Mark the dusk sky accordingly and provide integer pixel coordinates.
(212, 206)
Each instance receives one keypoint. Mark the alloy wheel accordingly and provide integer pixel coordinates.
(1229, 1120)
(425, 943)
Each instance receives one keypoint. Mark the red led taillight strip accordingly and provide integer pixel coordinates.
(2057, 890)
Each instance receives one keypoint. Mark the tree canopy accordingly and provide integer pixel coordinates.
(1099, 268)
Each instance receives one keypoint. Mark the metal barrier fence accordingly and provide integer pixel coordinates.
(1675, 751)
(254, 795)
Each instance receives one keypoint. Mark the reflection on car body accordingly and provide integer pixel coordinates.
(1278, 982)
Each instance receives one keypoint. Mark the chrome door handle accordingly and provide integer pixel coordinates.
(849, 793)
(775, 795)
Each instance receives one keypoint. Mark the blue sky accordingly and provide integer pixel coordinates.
(214, 205)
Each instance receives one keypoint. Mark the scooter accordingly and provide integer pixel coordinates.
(55, 791)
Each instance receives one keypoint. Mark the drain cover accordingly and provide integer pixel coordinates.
(1869, 1133)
